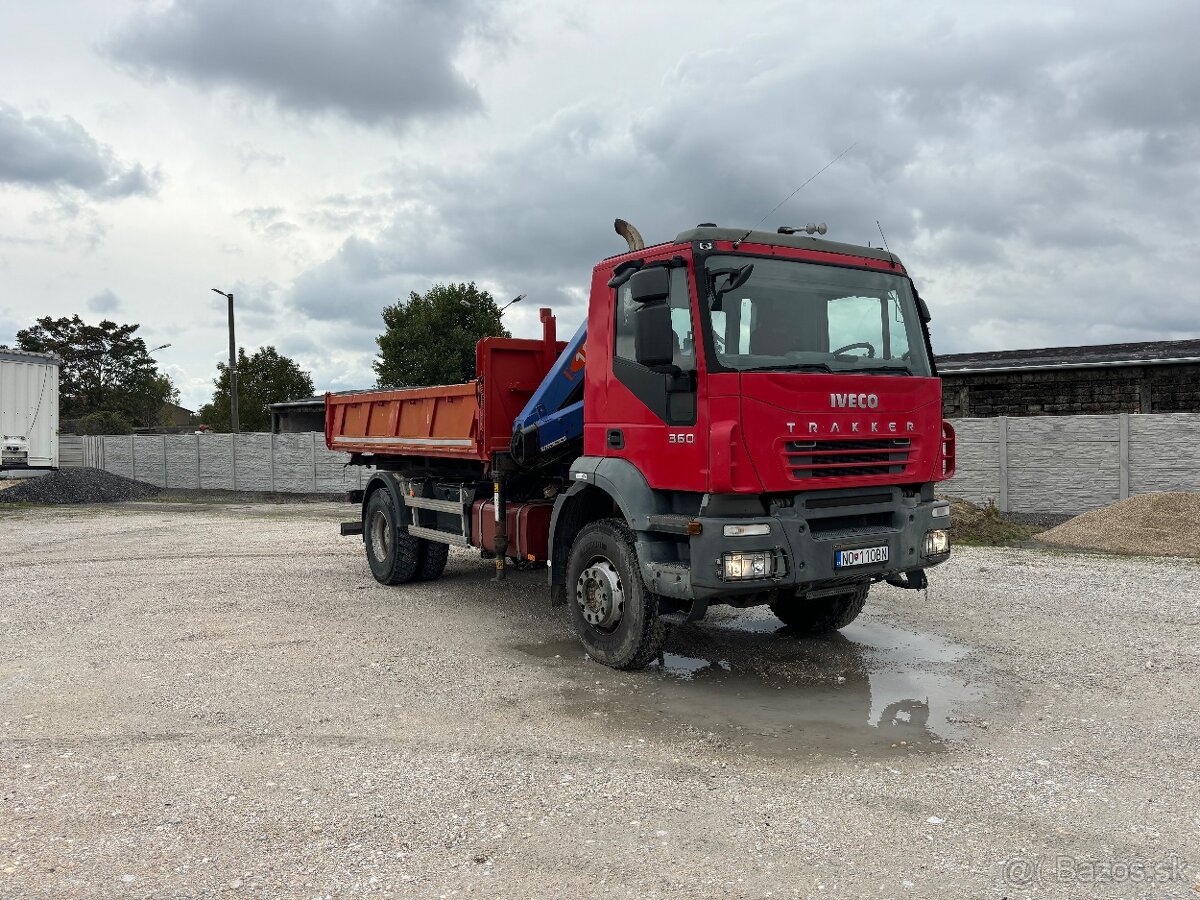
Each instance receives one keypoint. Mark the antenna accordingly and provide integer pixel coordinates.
(882, 235)
(794, 193)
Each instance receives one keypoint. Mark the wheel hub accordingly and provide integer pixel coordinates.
(381, 535)
(600, 595)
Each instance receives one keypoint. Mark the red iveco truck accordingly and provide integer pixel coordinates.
(744, 418)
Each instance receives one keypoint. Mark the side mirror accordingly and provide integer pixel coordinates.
(922, 309)
(653, 340)
(649, 285)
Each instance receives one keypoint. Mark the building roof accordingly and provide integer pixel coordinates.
(1148, 353)
(317, 401)
(9, 354)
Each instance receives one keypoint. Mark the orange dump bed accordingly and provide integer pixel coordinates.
(458, 421)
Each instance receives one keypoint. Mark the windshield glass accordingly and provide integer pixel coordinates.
(805, 316)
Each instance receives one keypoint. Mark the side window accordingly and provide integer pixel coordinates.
(681, 322)
(897, 331)
(624, 328)
(669, 393)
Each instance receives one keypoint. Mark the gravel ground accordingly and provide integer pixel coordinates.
(221, 702)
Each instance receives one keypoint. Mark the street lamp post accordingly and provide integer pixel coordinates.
(234, 425)
(516, 299)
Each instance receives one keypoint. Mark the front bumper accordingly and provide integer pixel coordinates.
(803, 541)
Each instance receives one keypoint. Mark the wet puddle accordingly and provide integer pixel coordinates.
(743, 680)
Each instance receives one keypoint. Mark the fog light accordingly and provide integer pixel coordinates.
(758, 528)
(748, 565)
(937, 542)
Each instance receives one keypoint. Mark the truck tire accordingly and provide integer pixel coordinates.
(431, 559)
(391, 554)
(614, 614)
(823, 614)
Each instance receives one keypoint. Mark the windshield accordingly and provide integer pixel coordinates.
(810, 317)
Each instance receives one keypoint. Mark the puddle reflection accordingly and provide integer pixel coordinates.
(744, 680)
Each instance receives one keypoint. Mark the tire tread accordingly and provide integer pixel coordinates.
(823, 615)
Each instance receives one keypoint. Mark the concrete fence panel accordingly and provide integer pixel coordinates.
(1068, 463)
(183, 462)
(216, 461)
(255, 462)
(1164, 452)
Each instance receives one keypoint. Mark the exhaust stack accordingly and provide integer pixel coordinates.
(632, 236)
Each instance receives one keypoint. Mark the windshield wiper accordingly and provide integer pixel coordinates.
(901, 368)
(794, 367)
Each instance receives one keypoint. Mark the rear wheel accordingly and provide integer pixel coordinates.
(391, 553)
(614, 614)
(431, 559)
(822, 614)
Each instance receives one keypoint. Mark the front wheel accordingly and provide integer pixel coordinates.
(614, 614)
(822, 614)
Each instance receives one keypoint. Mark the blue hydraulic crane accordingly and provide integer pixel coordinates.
(552, 420)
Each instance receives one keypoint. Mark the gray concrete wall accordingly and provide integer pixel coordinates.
(1071, 464)
(288, 463)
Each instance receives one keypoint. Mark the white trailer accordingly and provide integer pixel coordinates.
(28, 410)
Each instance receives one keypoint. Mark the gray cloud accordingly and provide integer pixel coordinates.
(266, 221)
(1009, 171)
(379, 63)
(56, 154)
(104, 302)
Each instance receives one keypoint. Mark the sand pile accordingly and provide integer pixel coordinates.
(1157, 524)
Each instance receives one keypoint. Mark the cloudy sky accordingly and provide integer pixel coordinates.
(1036, 165)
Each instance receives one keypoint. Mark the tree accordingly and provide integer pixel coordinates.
(105, 368)
(105, 423)
(266, 377)
(431, 339)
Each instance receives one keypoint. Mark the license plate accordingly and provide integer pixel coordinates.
(861, 557)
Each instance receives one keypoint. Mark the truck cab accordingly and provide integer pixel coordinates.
(764, 414)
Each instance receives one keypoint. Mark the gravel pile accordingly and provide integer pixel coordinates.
(79, 486)
(1156, 524)
(986, 526)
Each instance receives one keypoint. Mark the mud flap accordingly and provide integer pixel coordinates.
(697, 612)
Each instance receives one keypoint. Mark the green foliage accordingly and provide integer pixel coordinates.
(105, 423)
(430, 339)
(264, 378)
(105, 368)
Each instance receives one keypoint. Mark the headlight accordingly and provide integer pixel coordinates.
(748, 565)
(758, 528)
(937, 542)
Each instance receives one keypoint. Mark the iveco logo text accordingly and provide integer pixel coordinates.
(854, 401)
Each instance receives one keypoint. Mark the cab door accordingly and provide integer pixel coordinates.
(653, 415)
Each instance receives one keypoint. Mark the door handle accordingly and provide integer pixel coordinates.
(616, 439)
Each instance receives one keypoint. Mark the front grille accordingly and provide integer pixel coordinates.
(849, 458)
